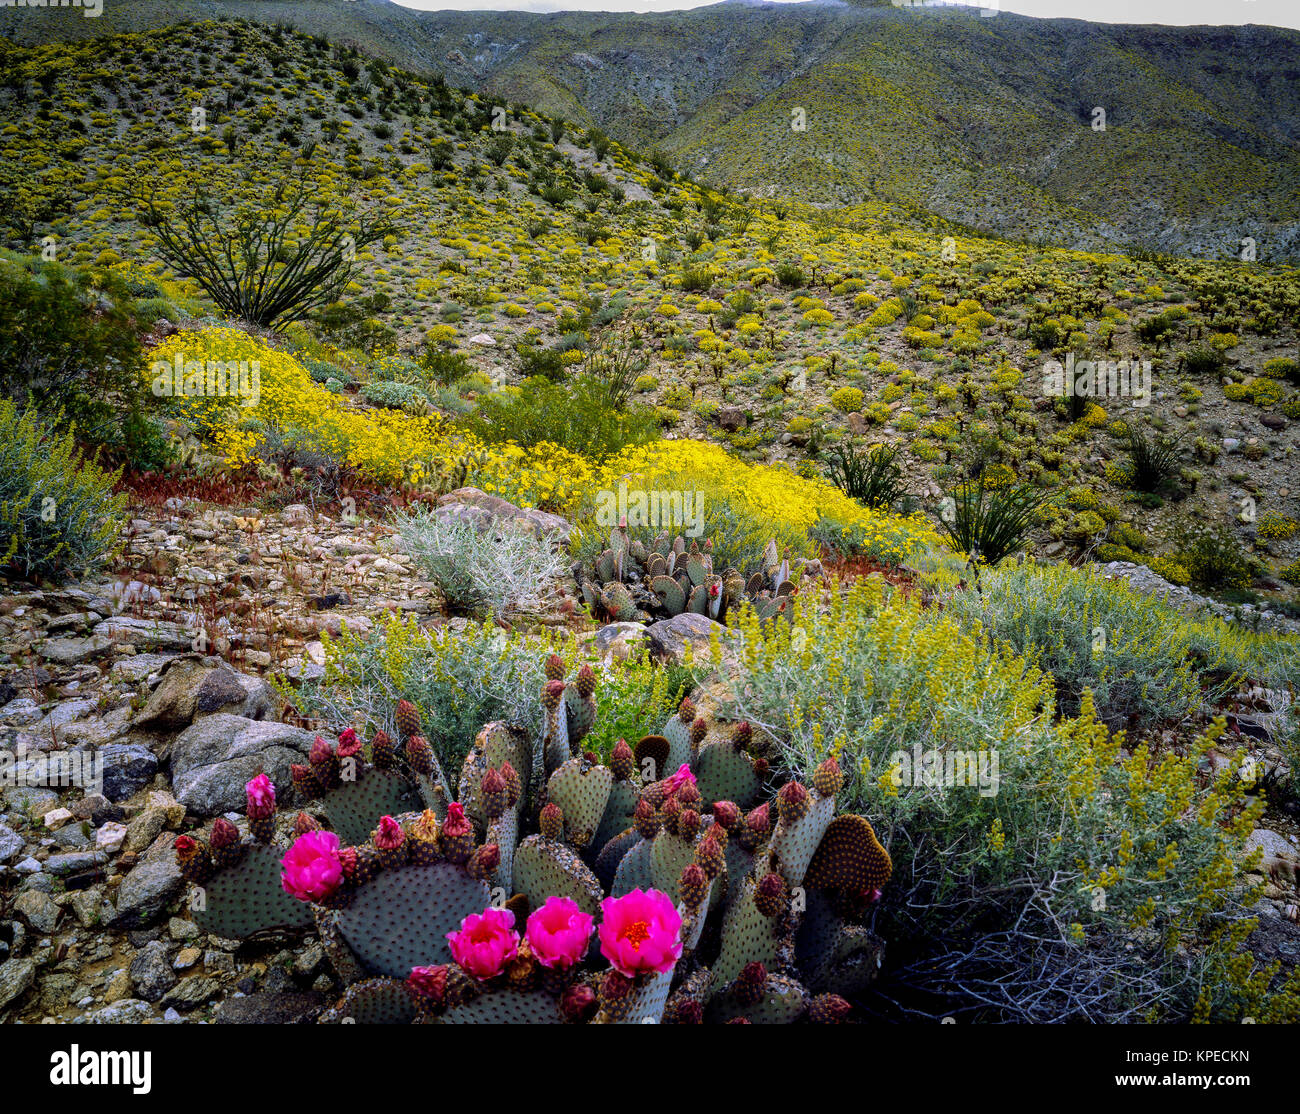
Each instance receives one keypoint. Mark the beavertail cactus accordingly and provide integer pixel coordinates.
(657, 887)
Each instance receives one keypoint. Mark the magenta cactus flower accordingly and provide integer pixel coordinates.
(558, 932)
(641, 931)
(260, 797)
(486, 942)
(312, 867)
(683, 776)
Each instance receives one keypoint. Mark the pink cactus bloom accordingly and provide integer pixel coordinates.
(641, 931)
(389, 835)
(260, 797)
(558, 932)
(312, 868)
(683, 776)
(486, 942)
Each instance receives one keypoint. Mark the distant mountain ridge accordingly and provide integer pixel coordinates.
(987, 122)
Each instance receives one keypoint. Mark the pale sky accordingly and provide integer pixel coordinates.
(1275, 13)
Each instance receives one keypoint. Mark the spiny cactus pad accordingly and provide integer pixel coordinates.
(793, 845)
(782, 1000)
(849, 857)
(377, 1001)
(581, 789)
(401, 918)
(242, 900)
(353, 806)
(618, 813)
(634, 872)
(724, 773)
(506, 1007)
(547, 868)
(613, 853)
(749, 936)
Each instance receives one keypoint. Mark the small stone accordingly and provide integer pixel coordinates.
(110, 836)
(186, 958)
(28, 866)
(118, 988)
(38, 910)
(10, 843)
(56, 818)
(151, 973)
(16, 975)
(180, 929)
(191, 993)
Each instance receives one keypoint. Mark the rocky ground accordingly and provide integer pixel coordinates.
(161, 670)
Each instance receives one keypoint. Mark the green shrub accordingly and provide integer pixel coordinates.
(1075, 876)
(1211, 555)
(991, 522)
(58, 513)
(788, 274)
(578, 416)
(1153, 461)
(481, 573)
(444, 367)
(1131, 650)
(69, 345)
(847, 399)
(396, 396)
(872, 476)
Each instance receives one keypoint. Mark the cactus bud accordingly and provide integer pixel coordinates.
(622, 762)
(693, 886)
(686, 711)
(192, 858)
(419, 755)
(224, 835)
(761, 766)
(408, 719)
(758, 825)
(428, 983)
(578, 1002)
(348, 860)
(670, 812)
(423, 838)
(689, 1012)
(743, 735)
(709, 855)
(302, 824)
(495, 793)
(349, 745)
(514, 788)
(484, 862)
(688, 824)
(551, 822)
(792, 803)
(770, 898)
(727, 814)
(456, 839)
(749, 986)
(390, 841)
(688, 796)
(699, 729)
(554, 668)
(828, 778)
(645, 819)
(614, 987)
(382, 751)
(829, 1009)
(586, 681)
(552, 694)
(304, 781)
